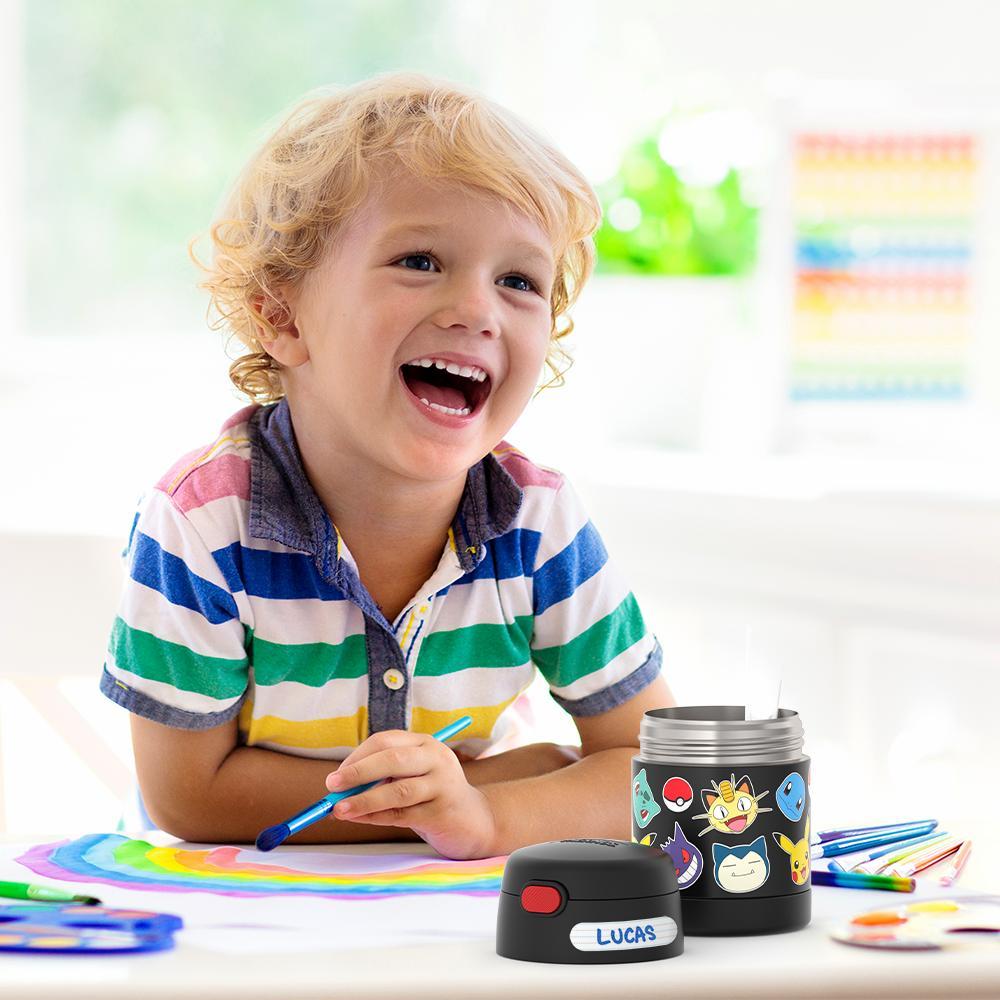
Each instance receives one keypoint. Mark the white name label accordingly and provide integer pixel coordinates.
(654, 932)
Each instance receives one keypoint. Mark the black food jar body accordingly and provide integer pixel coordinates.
(728, 799)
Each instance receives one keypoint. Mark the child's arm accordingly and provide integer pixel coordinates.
(200, 786)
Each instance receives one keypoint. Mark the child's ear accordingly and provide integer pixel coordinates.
(287, 346)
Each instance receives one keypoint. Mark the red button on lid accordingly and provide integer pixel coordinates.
(541, 898)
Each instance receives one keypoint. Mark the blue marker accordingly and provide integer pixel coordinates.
(849, 845)
(270, 838)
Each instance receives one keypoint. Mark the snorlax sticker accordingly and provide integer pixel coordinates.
(791, 796)
(687, 859)
(677, 794)
(798, 855)
(644, 807)
(732, 805)
(742, 867)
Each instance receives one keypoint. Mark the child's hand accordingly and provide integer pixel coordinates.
(426, 791)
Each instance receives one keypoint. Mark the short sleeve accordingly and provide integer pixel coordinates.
(589, 639)
(177, 653)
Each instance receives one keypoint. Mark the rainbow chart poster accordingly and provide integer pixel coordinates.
(111, 859)
(885, 257)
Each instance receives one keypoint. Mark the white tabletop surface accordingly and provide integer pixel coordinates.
(272, 960)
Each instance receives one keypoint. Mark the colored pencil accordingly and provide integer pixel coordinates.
(878, 860)
(864, 831)
(850, 845)
(918, 862)
(854, 880)
(957, 864)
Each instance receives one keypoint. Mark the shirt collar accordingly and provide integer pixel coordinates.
(284, 506)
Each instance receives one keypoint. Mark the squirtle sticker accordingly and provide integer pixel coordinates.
(742, 867)
(644, 806)
(677, 794)
(687, 859)
(798, 855)
(791, 796)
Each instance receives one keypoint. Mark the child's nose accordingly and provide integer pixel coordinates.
(470, 305)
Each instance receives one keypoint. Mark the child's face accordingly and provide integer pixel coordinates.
(478, 298)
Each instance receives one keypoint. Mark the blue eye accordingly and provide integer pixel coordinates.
(413, 256)
(520, 277)
(532, 287)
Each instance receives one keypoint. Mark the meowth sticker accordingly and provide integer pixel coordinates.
(732, 805)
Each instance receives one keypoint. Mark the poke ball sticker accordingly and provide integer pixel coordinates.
(677, 794)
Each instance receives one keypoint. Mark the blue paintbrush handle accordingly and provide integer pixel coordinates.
(319, 809)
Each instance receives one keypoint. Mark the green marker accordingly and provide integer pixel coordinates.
(43, 894)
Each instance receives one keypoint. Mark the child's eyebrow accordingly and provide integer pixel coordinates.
(530, 251)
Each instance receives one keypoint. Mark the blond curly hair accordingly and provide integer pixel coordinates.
(316, 169)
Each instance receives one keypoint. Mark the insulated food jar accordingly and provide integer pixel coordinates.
(728, 799)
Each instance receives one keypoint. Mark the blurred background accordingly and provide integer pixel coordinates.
(785, 402)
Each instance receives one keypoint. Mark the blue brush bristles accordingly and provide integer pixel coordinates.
(270, 838)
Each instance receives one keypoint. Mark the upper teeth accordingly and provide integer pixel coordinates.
(466, 371)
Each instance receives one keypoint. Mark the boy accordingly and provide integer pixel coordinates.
(364, 559)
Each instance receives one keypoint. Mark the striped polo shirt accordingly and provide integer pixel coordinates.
(241, 599)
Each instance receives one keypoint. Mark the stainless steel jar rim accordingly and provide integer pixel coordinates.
(714, 734)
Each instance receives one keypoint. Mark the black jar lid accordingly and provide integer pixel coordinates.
(592, 869)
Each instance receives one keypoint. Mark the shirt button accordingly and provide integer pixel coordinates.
(393, 680)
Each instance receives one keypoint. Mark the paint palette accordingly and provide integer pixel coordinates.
(929, 925)
(78, 929)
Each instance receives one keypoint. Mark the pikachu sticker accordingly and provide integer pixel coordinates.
(798, 855)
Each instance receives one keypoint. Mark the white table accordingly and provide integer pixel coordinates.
(801, 965)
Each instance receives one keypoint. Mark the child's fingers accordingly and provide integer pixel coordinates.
(395, 762)
(391, 796)
(388, 817)
(348, 777)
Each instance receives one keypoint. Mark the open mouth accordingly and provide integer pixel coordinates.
(688, 874)
(737, 823)
(447, 387)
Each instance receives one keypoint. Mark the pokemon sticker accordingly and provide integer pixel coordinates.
(732, 805)
(646, 841)
(742, 867)
(798, 855)
(677, 794)
(644, 807)
(791, 796)
(687, 859)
